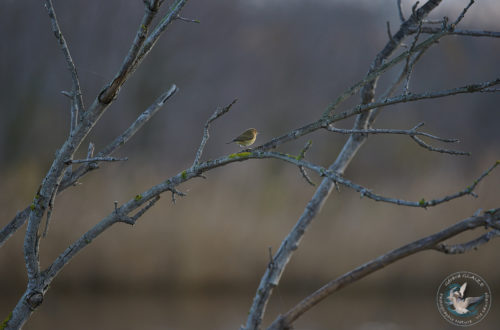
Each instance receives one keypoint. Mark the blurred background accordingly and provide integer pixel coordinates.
(197, 264)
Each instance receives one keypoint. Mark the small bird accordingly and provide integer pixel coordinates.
(246, 138)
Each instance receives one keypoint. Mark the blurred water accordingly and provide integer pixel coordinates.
(372, 311)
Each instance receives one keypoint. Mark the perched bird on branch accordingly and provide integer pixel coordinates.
(246, 138)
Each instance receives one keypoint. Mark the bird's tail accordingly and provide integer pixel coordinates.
(230, 142)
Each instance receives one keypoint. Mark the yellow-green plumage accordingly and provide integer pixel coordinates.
(246, 138)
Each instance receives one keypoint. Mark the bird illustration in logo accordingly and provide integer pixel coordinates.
(460, 303)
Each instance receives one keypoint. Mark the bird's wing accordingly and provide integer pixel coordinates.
(472, 300)
(462, 289)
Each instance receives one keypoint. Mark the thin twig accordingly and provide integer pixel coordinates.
(462, 14)
(109, 93)
(384, 66)
(411, 132)
(90, 150)
(365, 192)
(400, 11)
(472, 88)
(462, 32)
(421, 143)
(187, 19)
(123, 138)
(389, 34)
(145, 208)
(468, 246)
(408, 67)
(76, 93)
(151, 40)
(176, 192)
(414, 7)
(301, 168)
(217, 113)
(392, 87)
(95, 159)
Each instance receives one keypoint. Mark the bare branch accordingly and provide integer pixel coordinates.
(187, 19)
(445, 151)
(95, 159)
(76, 93)
(365, 192)
(90, 150)
(461, 32)
(468, 246)
(110, 92)
(411, 132)
(409, 68)
(145, 208)
(383, 67)
(322, 123)
(176, 192)
(272, 276)
(389, 34)
(217, 113)
(462, 14)
(414, 7)
(70, 178)
(292, 135)
(400, 11)
(472, 88)
(285, 321)
(301, 168)
(148, 44)
(139, 122)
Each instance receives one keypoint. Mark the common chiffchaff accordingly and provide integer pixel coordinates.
(246, 138)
